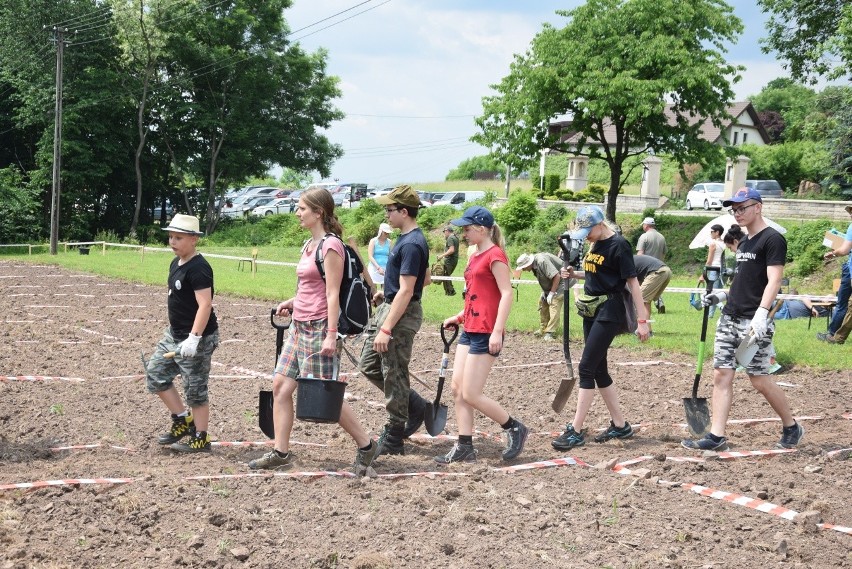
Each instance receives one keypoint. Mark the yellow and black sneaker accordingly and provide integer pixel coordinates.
(198, 442)
(181, 427)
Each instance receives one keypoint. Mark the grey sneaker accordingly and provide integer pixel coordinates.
(459, 453)
(790, 436)
(364, 461)
(272, 461)
(516, 437)
(614, 432)
(181, 427)
(708, 442)
(569, 439)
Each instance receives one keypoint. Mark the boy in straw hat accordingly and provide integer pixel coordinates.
(192, 335)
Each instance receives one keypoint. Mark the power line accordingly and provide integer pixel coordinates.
(411, 116)
(340, 21)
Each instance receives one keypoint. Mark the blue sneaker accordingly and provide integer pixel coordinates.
(568, 439)
(708, 442)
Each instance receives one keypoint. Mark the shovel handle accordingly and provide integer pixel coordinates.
(287, 322)
(448, 343)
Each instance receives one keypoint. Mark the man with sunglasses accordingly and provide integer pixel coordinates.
(386, 353)
(759, 269)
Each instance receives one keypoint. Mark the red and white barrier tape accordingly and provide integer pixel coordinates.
(66, 482)
(40, 378)
(327, 474)
(566, 461)
(839, 451)
(261, 443)
(251, 372)
(847, 415)
(91, 446)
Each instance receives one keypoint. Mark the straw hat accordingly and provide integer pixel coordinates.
(181, 223)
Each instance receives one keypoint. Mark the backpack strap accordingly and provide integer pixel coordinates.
(320, 261)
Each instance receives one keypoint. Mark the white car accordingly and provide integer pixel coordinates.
(243, 205)
(456, 199)
(280, 205)
(707, 195)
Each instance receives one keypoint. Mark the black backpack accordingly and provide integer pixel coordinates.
(355, 307)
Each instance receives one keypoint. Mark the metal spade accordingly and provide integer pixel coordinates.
(697, 410)
(264, 410)
(436, 412)
(748, 348)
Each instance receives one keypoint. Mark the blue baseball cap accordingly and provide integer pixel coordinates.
(587, 218)
(743, 195)
(475, 215)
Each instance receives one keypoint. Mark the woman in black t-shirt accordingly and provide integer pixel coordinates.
(607, 269)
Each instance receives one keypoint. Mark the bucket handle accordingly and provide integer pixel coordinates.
(335, 366)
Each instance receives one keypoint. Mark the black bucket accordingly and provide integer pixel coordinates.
(319, 400)
(84, 250)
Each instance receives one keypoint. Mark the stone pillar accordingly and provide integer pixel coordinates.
(651, 177)
(578, 173)
(736, 172)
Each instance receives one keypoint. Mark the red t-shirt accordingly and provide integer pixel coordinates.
(482, 298)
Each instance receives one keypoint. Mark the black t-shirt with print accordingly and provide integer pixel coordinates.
(766, 249)
(184, 280)
(608, 265)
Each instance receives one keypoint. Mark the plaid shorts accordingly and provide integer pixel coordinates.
(729, 333)
(300, 355)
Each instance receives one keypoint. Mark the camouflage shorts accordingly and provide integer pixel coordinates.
(195, 371)
(729, 333)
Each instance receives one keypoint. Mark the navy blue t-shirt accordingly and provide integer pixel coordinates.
(184, 280)
(409, 257)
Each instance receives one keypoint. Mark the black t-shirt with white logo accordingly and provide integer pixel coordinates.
(766, 249)
(607, 266)
(184, 280)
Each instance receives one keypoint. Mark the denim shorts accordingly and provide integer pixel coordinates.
(478, 342)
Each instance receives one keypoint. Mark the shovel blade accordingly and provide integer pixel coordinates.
(264, 414)
(435, 418)
(746, 351)
(697, 415)
(562, 394)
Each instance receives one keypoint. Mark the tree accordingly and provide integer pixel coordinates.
(612, 70)
(467, 169)
(793, 101)
(814, 37)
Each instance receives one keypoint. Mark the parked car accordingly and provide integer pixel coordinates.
(243, 205)
(263, 191)
(766, 188)
(426, 198)
(279, 205)
(170, 211)
(282, 193)
(348, 193)
(708, 195)
(456, 199)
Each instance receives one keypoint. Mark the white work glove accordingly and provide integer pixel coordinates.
(714, 298)
(760, 323)
(550, 296)
(189, 347)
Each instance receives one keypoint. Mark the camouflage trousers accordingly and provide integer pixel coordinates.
(389, 371)
(730, 332)
(195, 371)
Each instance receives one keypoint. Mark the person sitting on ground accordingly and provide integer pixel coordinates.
(545, 267)
(654, 276)
(795, 308)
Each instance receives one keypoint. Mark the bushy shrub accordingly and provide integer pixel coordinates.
(598, 191)
(436, 216)
(519, 212)
(804, 247)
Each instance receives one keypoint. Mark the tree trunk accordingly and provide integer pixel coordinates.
(614, 186)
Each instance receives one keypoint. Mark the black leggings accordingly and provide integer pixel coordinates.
(593, 364)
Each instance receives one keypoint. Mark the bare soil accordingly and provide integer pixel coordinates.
(64, 325)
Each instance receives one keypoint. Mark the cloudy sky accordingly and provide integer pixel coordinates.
(413, 74)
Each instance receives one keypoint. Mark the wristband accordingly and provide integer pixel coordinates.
(642, 321)
(330, 330)
(385, 331)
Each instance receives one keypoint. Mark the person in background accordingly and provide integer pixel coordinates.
(192, 334)
(841, 322)
(450, 256)
(715, 257)
(311, 346)
(378, 250)
(732, 240)
(760, 268)
(607, 269)
(387, 351)
(653, 275)
(652, 243)
(486, 309)
(795, 308)
(545, 267)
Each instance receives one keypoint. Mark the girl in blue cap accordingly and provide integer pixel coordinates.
(488, 299)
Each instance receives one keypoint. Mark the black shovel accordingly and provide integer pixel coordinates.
(697, 410)
(264, 410)
(436, 412)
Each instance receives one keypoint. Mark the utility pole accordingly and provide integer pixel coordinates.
(508, 178)
(59, 38)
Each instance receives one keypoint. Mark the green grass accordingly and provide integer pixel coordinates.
(676, 332)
